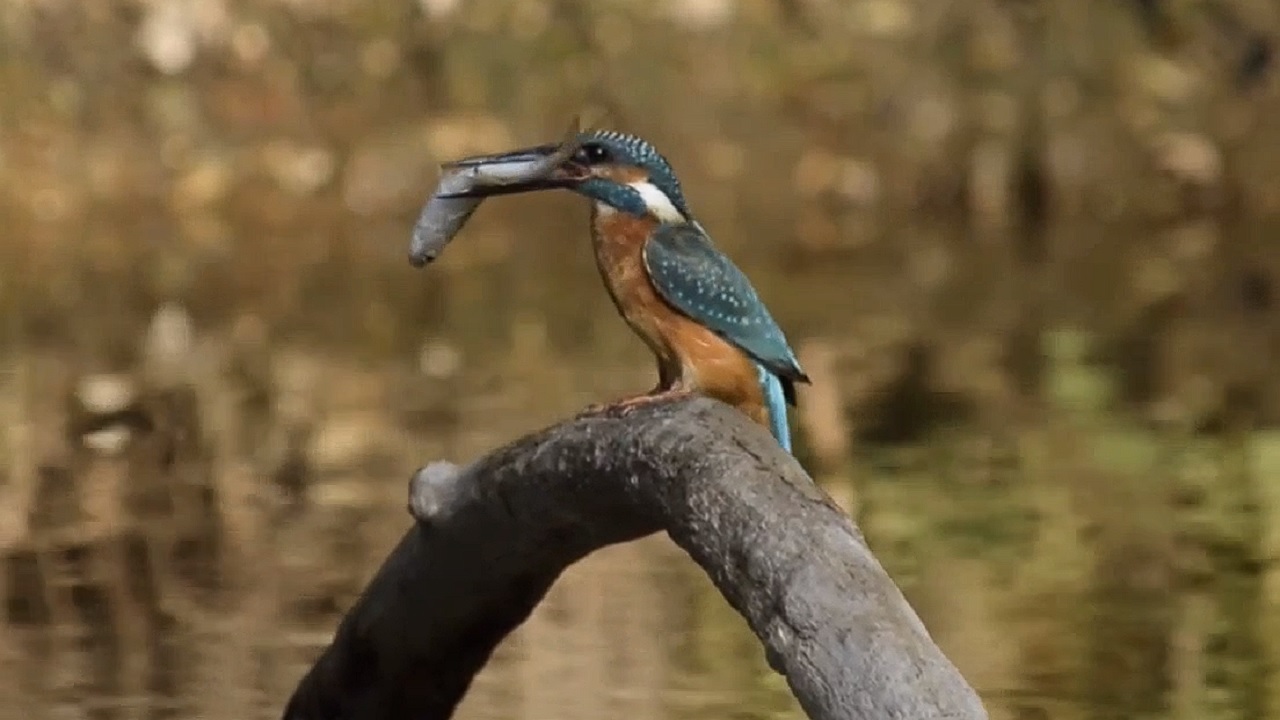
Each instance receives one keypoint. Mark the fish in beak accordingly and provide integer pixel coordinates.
(545, 167)
(465, 183)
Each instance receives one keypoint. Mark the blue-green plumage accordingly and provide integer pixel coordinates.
(639, 153)
(624, 174)
(698, 280)
(621, 197)
(774, 390)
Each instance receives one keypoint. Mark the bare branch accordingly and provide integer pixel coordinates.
(491, 539)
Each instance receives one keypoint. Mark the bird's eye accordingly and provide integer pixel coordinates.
(593, 153)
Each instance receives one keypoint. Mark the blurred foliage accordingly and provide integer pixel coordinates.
(261, 161)
(1025, 248)
(266, 156)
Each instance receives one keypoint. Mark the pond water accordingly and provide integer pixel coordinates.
(1074, 557)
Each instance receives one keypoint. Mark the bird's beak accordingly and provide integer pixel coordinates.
(544, 167)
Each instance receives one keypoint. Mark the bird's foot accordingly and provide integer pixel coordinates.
(594, 409)
(629, 404)
(626, 405)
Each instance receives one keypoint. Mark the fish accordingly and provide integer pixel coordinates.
(444, 215)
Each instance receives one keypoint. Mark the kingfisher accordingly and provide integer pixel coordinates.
(696, 311)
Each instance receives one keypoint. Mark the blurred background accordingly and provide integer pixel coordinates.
(1026, 249)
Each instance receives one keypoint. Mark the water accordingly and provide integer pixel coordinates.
(1073, 561)
(1060, 443)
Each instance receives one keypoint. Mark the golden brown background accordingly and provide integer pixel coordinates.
(1026, 249)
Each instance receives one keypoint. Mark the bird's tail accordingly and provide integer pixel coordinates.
(775, 402)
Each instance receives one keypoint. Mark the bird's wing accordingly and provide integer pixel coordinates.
(699, 281)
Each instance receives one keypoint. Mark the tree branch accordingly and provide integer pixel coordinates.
(492, 538)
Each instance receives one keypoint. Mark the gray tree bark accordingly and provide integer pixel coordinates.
(491, 538)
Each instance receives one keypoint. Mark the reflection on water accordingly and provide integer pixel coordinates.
(1051, 438)
(183, 549)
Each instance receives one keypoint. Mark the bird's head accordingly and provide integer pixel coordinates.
(617, 171)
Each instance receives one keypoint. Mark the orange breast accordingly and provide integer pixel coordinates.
(690, 356)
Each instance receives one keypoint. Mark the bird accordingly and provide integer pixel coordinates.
(697, 312)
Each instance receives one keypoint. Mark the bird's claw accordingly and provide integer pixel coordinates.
(617, 409)
(593, 409)
(631, 403)
(624, 407)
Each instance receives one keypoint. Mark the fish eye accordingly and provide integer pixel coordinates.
(593, 153)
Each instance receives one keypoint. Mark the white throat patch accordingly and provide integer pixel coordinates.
(660, 206)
